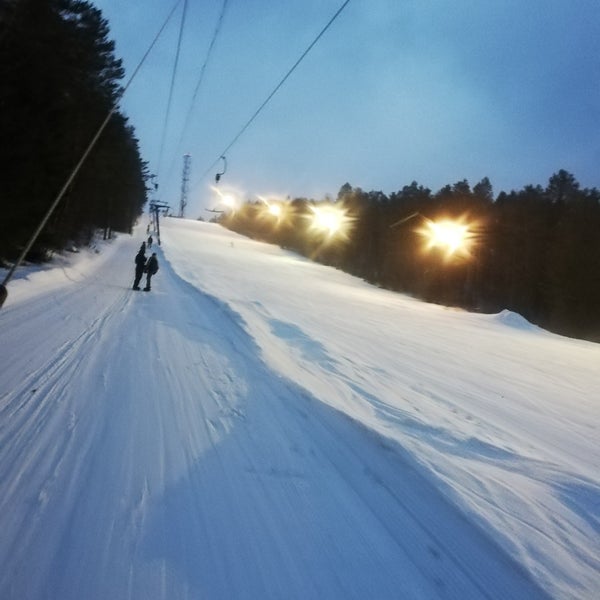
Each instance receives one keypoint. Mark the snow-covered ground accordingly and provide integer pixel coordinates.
(259, 426)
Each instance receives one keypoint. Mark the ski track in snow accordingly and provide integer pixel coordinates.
(152, 447)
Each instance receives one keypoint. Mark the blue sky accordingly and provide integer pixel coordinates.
(429, 90)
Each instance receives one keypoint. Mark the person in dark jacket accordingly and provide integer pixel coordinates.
(140, 263)
(151, 269)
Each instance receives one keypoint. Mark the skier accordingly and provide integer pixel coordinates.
(140, 263)
(151, 269)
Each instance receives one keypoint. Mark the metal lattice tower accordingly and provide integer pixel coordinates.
(185, 179)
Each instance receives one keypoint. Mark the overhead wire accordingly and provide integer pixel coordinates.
(203, 69)
(277, 87)
(199, 82)
(81, 161)
(171, 88)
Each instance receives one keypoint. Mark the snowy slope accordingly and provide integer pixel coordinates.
(259, 426)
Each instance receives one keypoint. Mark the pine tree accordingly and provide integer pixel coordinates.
(62, 79)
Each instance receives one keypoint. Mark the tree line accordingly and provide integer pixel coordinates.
(535, 251)
(60, 79)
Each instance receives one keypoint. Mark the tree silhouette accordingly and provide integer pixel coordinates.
(535, 251)
(60, 80)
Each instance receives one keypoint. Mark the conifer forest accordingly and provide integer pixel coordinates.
(534, 251)
(60, 80)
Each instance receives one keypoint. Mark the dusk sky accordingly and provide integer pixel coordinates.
(435, 91)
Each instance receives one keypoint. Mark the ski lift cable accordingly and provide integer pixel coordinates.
(199, 83)
(81, 161)
(277, 87)
(202, 70)
(171, 87)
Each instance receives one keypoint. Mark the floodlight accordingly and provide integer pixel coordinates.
(453, 236)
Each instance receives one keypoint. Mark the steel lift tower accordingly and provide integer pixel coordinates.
(185, 179)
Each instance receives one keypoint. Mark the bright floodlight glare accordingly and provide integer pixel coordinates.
(329, 219)
(274, 209)
(453, 236)
(228, 200)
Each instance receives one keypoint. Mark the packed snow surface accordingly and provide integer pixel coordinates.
(259, 426)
